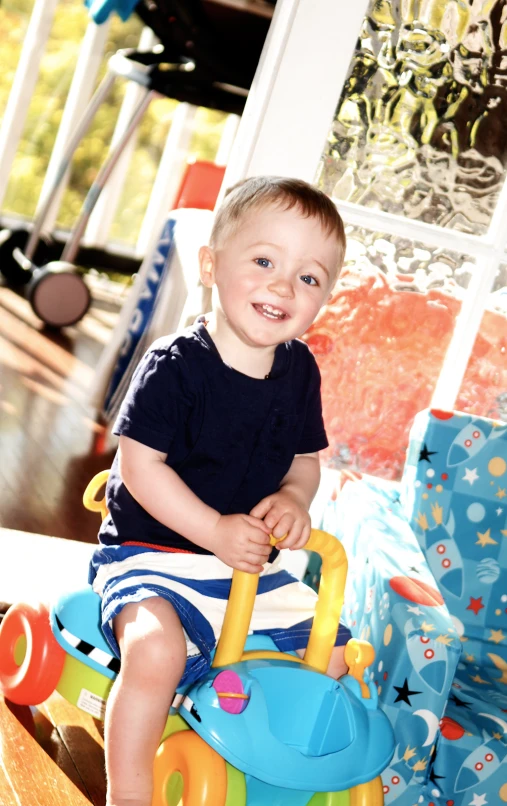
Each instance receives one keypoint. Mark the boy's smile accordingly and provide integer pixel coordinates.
(272, 274)
(270, 312)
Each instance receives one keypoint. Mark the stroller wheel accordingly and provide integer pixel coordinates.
(10, 240)
(58, 295)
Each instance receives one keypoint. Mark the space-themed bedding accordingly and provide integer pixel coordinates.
(427, 586)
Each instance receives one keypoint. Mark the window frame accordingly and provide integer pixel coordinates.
(275, 137)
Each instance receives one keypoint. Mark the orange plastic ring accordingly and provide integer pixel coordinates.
(203, 770)
(35, 679)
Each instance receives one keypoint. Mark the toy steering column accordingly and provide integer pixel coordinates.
(231, 645)
(230, 648)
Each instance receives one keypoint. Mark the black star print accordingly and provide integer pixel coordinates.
(415, 570)
(433, 777)
(459, 703)
(404, 693)
(425, 454)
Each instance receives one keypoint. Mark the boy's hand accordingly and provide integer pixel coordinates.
(242, 542)
(283, 514)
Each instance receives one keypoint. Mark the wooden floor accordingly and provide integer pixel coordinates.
(51, 443)
(52, 755)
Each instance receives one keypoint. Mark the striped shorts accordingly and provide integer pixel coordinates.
(198, 586)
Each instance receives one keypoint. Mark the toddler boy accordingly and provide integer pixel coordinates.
(219, 438)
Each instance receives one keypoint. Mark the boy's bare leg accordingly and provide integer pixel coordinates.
(153, 657)
(337, 666)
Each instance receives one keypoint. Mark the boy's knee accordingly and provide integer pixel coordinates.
(152, 644)
(153, 661)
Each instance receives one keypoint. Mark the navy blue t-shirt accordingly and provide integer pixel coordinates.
(231, 438)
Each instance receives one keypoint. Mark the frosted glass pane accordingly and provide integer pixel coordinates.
(380, 345)
(420, 126)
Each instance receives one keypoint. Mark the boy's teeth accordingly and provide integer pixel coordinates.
(273, 311)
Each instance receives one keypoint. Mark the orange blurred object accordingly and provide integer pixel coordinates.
(200, 185)
(380, 351)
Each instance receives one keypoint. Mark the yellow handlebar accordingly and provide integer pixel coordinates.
(92, 489)
(327, 612)
(241, 602)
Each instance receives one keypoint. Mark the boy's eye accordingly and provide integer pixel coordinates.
(264, 262)
(308, 279)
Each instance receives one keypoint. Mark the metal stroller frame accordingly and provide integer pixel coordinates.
(188, 66)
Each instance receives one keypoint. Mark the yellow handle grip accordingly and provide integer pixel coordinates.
(358, 655)
(327, 612)
(92, 489)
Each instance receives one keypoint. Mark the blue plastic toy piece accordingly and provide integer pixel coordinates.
(299, 729)
(75, 621)
(100, 10)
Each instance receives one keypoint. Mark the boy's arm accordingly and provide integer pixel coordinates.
(286, 511)
(241, 541)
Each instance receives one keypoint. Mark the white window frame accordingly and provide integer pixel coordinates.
(284, 129)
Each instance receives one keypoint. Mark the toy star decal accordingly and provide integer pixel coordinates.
(424, 454)
(485, 539)
(416, 610)
(471, 475)
(497, 636)
(404, 693)
(458, 702)
(434, 778)
(501, 493)
(478, 679)
(475, 604)
(499, 511)
(478, 800)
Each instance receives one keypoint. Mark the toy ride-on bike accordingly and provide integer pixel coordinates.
(261, 728)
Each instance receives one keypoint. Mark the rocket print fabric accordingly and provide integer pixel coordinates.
(427, 587)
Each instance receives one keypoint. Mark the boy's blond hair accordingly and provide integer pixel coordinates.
(260, 191)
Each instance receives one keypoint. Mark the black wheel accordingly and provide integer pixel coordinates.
(58, 294)
(10, 240)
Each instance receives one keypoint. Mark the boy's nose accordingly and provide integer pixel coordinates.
(281, 287)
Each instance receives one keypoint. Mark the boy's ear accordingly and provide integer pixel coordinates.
(207, 266)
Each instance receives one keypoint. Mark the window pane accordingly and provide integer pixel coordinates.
(380, 345)
(484, 389)
(14, 19)
(420, 126)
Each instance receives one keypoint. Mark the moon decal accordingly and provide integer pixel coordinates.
(432, 722)
(501, 722)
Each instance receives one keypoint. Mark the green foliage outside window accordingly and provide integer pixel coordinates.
(46, 107)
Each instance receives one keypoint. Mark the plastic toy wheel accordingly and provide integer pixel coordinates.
(370, 794)
(58, 294)
(203, 771)
(29, 679)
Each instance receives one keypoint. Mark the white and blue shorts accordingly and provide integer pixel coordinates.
(198, 586)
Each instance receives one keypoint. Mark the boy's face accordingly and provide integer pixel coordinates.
(273, 273)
